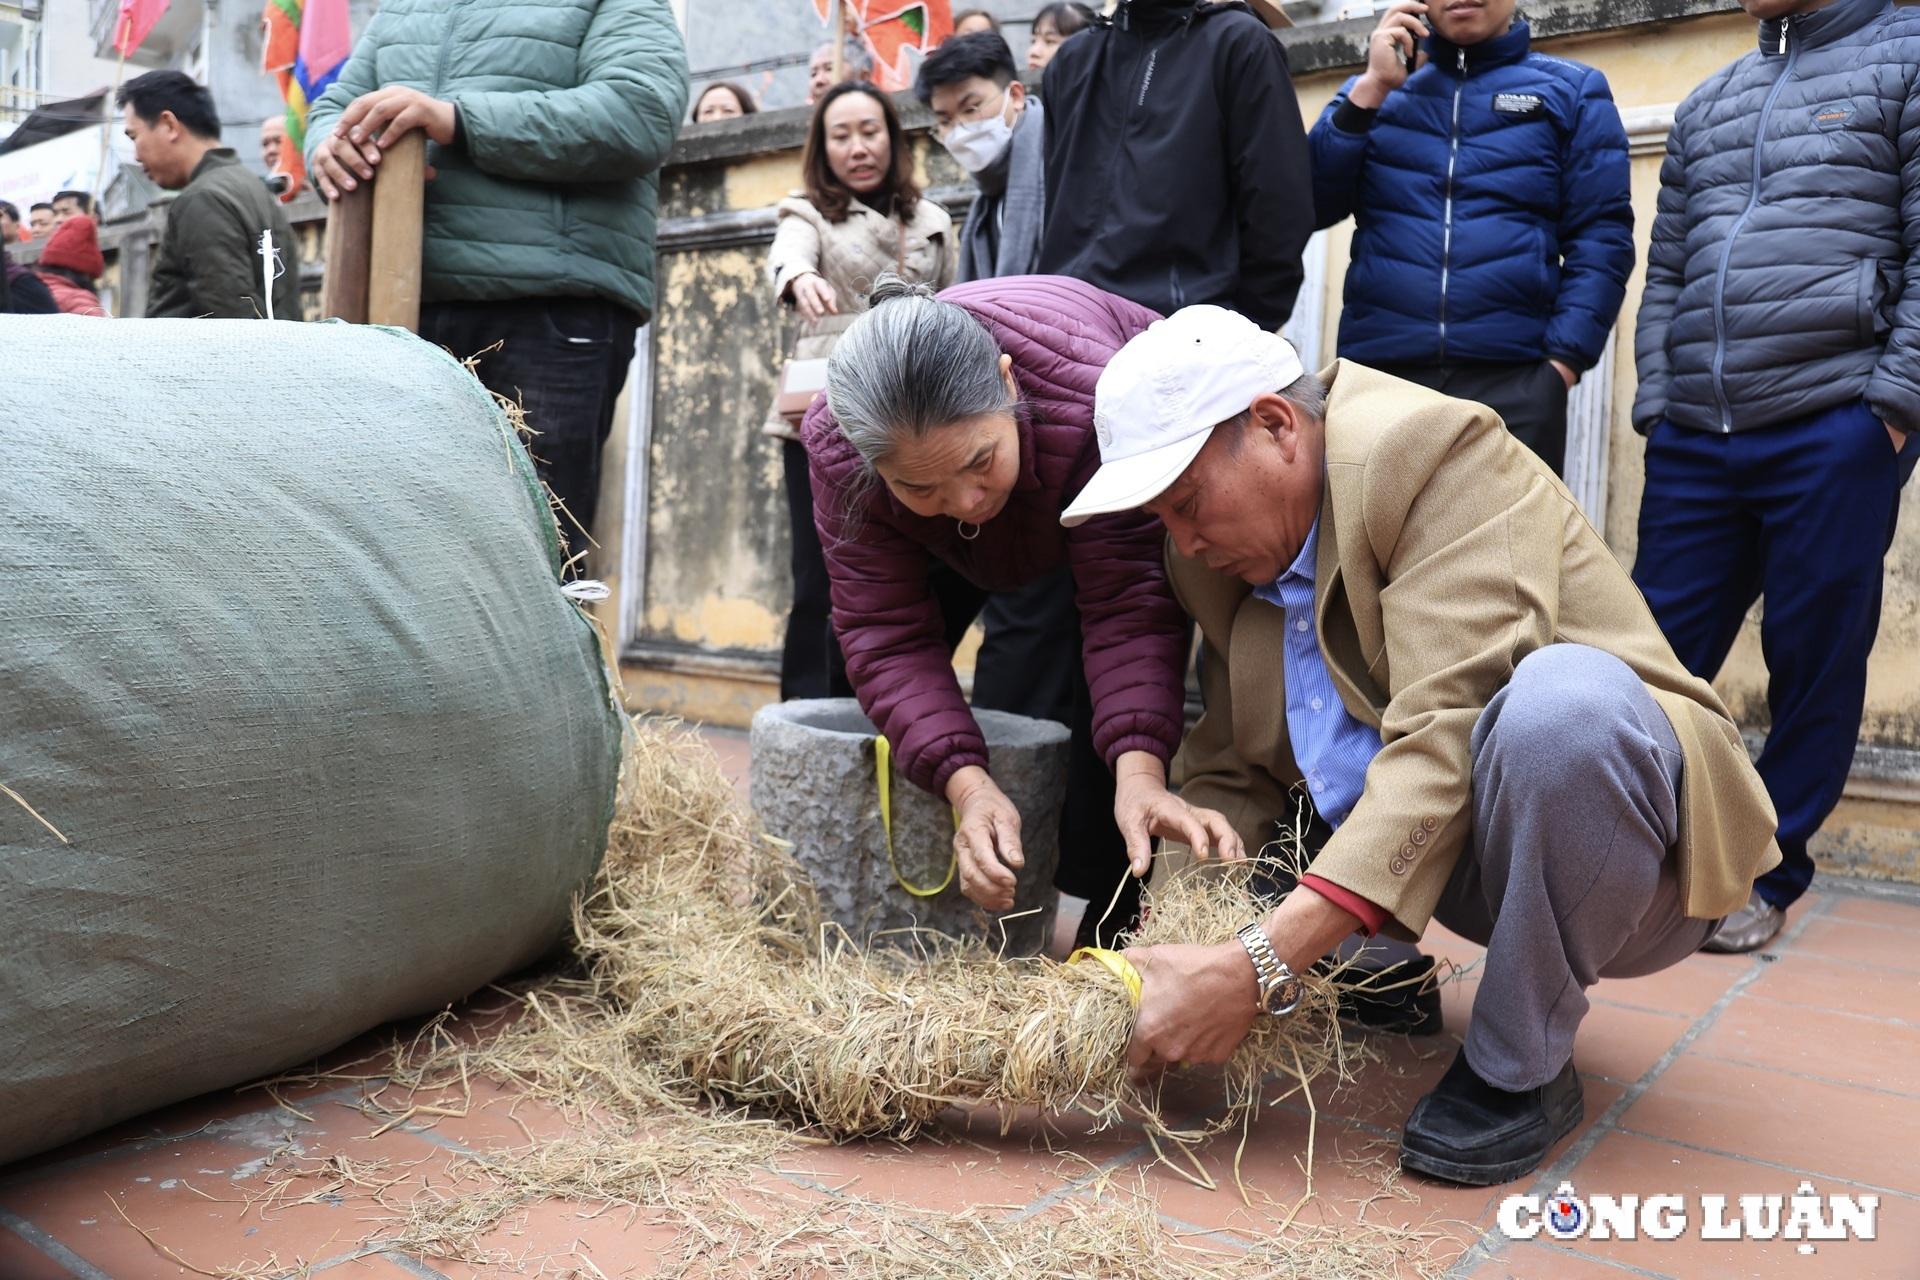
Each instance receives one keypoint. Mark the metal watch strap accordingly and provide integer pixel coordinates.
(1268, 971)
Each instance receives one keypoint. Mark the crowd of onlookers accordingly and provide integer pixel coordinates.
(1163, 159)
(1778, 339)
(66, 275)
(210, 261)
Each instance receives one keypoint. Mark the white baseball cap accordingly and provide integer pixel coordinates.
(1162, 395)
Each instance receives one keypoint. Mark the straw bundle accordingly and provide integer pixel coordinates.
(707, 956)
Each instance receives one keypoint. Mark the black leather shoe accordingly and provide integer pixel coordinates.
(1400, 996)
(1469, 1132)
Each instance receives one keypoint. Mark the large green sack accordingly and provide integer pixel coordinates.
(284, 655)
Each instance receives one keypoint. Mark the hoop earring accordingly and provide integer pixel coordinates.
(964, 526)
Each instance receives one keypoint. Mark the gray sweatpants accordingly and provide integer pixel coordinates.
(1570, 875)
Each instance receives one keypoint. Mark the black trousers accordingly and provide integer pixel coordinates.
(564, 360)
(1530, 398)
(810, 661)
(1029, 664)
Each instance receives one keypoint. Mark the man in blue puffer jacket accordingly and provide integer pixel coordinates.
(1779, 351)
(1495, 229)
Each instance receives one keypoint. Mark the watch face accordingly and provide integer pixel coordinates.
(1283, 996)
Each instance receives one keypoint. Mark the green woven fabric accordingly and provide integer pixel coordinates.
(284, 655)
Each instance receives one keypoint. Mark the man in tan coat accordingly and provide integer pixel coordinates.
(1405, 611)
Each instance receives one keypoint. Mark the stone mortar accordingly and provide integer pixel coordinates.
(812, 782)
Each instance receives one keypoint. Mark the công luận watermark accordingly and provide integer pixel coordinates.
(1805, 1215)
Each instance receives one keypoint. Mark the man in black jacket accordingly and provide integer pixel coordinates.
(1176, 161)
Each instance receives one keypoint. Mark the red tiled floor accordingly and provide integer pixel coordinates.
(1384, 1092)
(1841, 1047)
(1622, 1044)
(1895, 913)
(372, 1267)
(561, 1237)
(1690, 987)
(1624, 1163)
(1852, 940)
(204, 1198)
(22, 1261)
(1837, 984)
(731, 746)
(1823, 1128)
(1837, 1006)
(495, 1118)
(1527, 1260)
(1354, 1178)
(969, 1156)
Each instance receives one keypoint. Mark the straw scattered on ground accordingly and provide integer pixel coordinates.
(707, 954)
(716, 1020)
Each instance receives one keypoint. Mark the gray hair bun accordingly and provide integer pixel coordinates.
(890, 287)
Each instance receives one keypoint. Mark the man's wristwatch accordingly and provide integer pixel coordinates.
(1280, 989)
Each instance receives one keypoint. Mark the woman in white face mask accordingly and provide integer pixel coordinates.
(986, 121)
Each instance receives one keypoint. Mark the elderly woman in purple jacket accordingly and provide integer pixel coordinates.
(955, 429)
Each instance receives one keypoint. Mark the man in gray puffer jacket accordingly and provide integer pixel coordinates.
(1779, 354)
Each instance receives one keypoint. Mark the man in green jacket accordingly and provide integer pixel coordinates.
(546, 125)
(210, 263)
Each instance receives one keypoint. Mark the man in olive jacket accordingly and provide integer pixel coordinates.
(209, 262)
(547, 124)
(1407, 615)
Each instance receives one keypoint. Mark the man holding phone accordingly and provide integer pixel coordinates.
(1495, 229)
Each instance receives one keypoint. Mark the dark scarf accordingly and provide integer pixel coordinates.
(1002, 236)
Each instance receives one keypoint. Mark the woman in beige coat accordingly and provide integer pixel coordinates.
(861, 215)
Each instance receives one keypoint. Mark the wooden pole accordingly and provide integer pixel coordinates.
(839, 28)
(399, 212)
(106, 136)
(347, 253)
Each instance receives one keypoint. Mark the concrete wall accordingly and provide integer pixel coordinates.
(702, 570)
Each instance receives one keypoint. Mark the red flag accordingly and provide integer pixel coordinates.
(136, 21)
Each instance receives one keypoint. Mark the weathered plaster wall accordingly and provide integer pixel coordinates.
(716, 578)
(716, 590)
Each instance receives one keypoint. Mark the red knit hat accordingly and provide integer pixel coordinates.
(75, 246)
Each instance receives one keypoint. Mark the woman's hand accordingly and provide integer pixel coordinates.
(813, 298)
(1144, 808)
(986, 838)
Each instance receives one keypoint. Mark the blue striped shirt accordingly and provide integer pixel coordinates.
(1331, 747)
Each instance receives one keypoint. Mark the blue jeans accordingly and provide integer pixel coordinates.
(1801, 513)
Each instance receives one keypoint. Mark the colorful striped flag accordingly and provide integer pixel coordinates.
(136, 21)
(307, 41)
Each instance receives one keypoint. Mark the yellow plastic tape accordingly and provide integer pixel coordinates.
(1122, 968)
(883, 767)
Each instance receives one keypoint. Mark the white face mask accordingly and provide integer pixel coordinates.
(976, 144)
